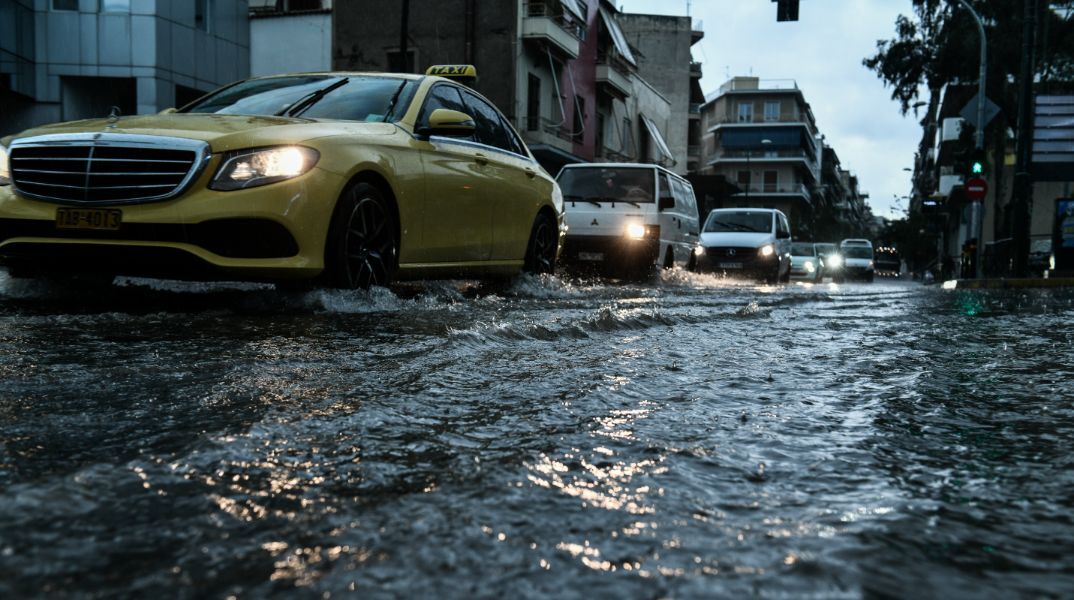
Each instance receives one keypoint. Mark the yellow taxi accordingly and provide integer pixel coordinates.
(344, 179)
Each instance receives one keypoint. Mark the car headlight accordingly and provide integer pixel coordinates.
(635, 231)
(251, 168)
(699, 251)
(835, 260)
(767, 250)
(5, 167)
(809, 267)
(870, 264)
(557, 197)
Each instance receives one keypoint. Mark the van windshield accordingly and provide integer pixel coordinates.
(750, 222)
(857, 251)
(607, 185)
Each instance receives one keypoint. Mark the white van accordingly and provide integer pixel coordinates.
(857, 259)
(750, 242)
(628, 218)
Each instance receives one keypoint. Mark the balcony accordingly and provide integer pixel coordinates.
(724, 155)
(548, 132)
(769, 190)
(762, 121)
(562, 33)
(695, 69)
(613, 78)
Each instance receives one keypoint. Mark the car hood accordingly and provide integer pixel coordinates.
(222, 132)
(801, 260)
(736, 239)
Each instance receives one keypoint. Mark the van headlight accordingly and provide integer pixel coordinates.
(251, 168)
(5, 167)
(637, 231)
(767, 250)
(835, 260)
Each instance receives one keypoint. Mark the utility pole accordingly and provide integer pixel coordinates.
(977, 208)
(1023, 179)
(403, 36)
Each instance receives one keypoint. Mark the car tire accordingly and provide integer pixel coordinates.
(691, 265)
(870, 277)
(669, 259)
(785, 278)
(541, 249)
(361, 250)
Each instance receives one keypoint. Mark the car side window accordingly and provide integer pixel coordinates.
(441, 96)
(665, 188)
(516, 143)
(784, 229)
(490, 128)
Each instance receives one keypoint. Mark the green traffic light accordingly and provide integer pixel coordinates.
(977, 168)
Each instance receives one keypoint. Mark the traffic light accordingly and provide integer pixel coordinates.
(786, 10)
(977, 163)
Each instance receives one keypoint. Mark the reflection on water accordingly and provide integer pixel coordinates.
(691, 437)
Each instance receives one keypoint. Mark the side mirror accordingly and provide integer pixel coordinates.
(449, 123)
(666, 202)
(168, 111)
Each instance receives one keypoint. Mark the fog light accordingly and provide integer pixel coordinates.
(635, 231)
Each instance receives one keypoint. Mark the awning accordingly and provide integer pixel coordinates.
(575, 9)
(617, 36)
(654, 132)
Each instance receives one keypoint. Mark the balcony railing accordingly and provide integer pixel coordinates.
(771, 188)
(548, 126)
(760, 119)
(555, 12)
(753, 84)
(759, 155)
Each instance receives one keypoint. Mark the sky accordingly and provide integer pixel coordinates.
(822, 51)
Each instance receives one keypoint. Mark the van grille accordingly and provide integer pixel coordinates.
(105, 169)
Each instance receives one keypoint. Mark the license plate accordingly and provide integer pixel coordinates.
(590, 256)
(88, 218)
(730, 265)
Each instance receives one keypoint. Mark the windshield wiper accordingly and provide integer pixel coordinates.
(311, 98)
(576, 198)
(395, 98)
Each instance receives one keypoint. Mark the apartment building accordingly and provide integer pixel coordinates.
(664, 59)
(561, 70)
(761, 136)
(62, 60)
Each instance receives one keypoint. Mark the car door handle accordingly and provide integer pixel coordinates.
(481, 159)
(530, 173)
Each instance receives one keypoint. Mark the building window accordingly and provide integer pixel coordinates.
(533, 103)
(771, 181)
(202, 9)
(65, 5)
(628, 139)
(745, 112)
(116, 6)
(771, 111)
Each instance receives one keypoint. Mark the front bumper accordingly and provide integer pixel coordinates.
(746, 263)
(275, 231)
(609, 251)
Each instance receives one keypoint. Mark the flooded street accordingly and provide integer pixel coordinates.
(684, 438)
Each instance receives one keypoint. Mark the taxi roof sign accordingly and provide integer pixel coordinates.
(466, 74)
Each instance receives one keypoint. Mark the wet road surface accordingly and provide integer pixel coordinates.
(686, 438)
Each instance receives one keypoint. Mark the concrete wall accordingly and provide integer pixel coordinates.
(290, 44)
(483, 33)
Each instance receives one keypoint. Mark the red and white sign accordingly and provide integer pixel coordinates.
(976, 189)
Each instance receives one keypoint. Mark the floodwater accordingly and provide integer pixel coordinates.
(684, 438)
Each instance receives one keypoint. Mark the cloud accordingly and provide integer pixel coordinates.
(823, 52)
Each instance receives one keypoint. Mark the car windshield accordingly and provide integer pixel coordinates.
(750, 222)
(352, 98)
(607, 184)
(803, 250)
(858, 252)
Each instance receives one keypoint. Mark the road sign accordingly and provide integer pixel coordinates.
(976, 189)
(970, 112)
